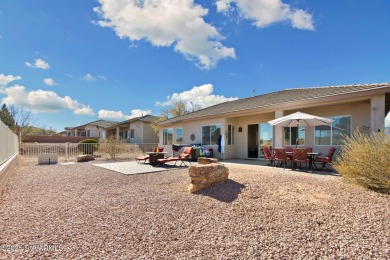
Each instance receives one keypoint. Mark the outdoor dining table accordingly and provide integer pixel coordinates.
(310, 156)
(154, 156)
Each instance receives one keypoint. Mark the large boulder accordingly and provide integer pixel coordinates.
(84, 158)
(206, 173)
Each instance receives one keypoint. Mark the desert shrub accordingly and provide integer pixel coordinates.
(364, 160)
(113, 147)
(88, 146)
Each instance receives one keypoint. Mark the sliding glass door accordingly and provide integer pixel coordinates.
(259, 135)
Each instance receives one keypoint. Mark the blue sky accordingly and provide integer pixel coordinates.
(72, 62)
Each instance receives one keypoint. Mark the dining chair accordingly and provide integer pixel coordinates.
(281, 156)
(300, 156)
(268, 155)
(324, 160)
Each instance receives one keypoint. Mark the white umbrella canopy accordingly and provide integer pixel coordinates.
(300, 119)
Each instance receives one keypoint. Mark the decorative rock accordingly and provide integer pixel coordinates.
(84, 158)
(205, 160)
(205, 175)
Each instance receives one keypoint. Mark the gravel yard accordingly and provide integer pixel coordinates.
(82, 211)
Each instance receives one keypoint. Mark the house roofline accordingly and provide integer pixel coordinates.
(359, 94)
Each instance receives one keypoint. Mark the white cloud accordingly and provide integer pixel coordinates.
(266, 12)
(102, 77)
(83, 110)
(111, 114)
(89, 77)
(200, 96)
(139, 113)
(40, 100)
(49, 82)
(38, 64)
(5, 79)
(119, 114)
(164, 23)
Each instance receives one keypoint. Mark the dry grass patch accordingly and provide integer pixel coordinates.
(365, 160)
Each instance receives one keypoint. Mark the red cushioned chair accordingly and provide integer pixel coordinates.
(281, 156)
(185, 156)
(324, 160)
(299, 155)
(268, 155)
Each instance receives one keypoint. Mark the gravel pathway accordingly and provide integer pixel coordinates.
(80, 211)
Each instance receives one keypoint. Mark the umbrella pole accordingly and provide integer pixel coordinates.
(296, 141)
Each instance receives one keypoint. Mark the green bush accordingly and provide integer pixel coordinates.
(365, 160)
(88, 146)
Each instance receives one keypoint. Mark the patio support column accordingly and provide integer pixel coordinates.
(377, 112)
(278, 134)
(128, 132)
(117, 132)
(75, 132)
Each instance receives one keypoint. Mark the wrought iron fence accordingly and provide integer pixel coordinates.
(8, 143)
(68, 152)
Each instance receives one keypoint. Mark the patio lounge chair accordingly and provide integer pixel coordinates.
(146, 157)
(185, 156)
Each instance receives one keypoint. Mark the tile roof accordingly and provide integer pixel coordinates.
(147, 118)
(100, 122)
(278, 98)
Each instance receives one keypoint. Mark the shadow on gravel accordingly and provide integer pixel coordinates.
(225, 192)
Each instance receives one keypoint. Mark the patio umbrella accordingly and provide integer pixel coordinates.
(298, 119)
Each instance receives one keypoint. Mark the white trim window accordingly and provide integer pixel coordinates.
(294, 136)
(231, 135)
(210, 134)
(179, 135)
(333, 134)
(132, 133)
(167, 136)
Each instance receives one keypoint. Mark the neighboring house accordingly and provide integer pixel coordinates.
(93, 129)
(242, 124)
(135, 130)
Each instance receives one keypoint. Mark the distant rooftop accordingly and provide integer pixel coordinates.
(100, 122)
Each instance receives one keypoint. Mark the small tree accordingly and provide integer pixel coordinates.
(113, 147)
(365, 160)
(23, 119)
(88, 146)
(6, 117)
(154, 125)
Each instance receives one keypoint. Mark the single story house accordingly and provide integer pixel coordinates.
(240, 129)
(92, 129)
(134, 130)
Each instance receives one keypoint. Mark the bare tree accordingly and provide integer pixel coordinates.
(177, 108)
(23, 119)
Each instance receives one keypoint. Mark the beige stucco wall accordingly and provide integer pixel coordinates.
(149, 136)
(194, 127)
(94, 131)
